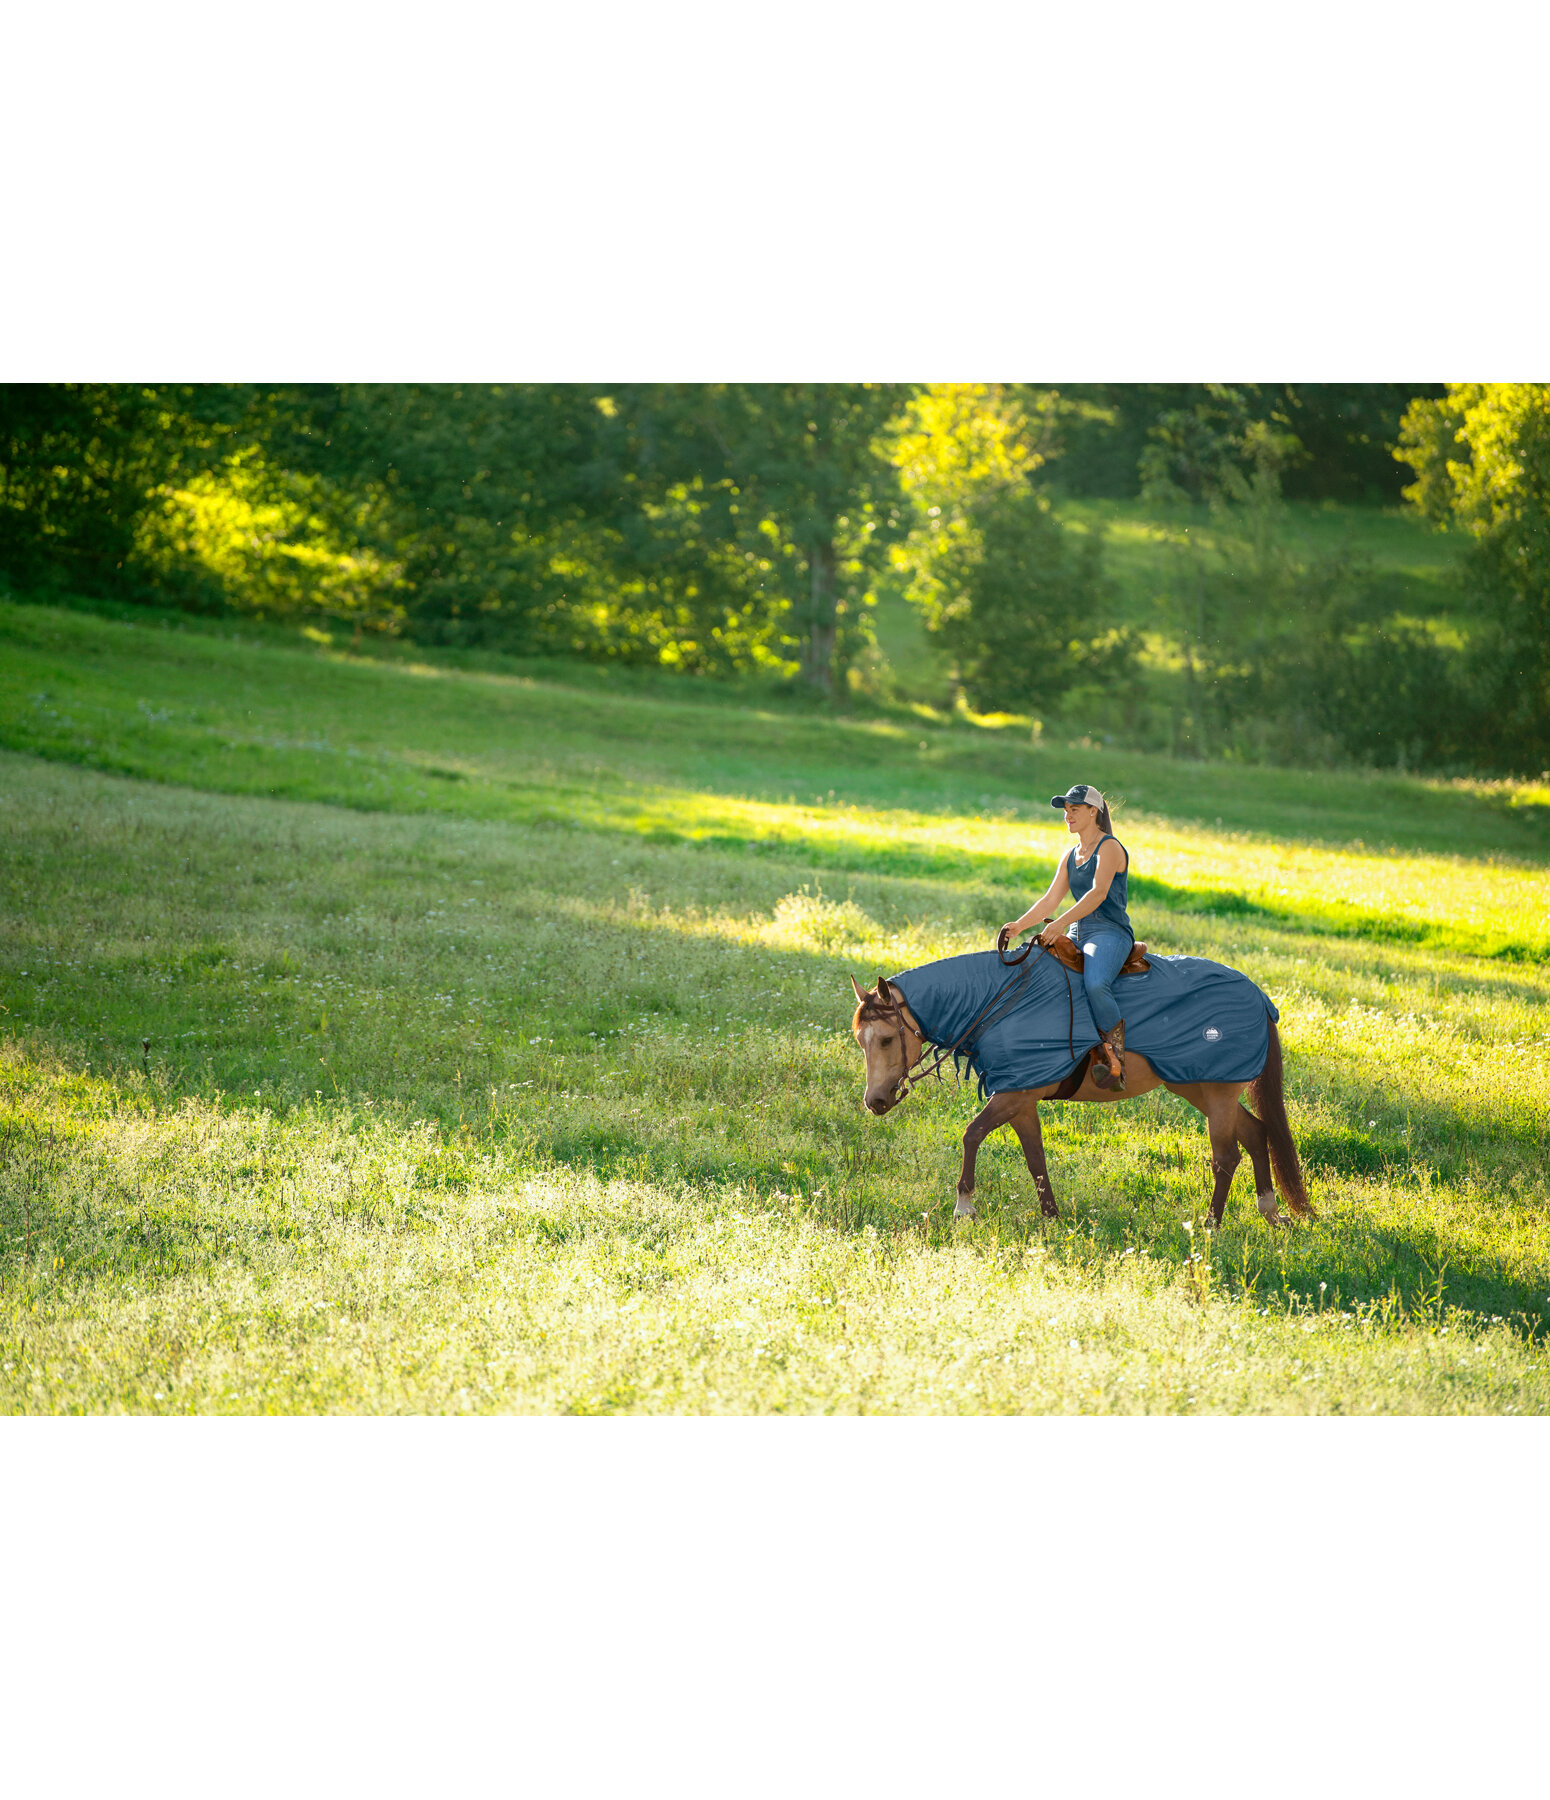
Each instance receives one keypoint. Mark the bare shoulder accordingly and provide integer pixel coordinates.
(1113, 856)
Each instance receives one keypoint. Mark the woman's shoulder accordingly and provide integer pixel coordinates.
(1111, 839)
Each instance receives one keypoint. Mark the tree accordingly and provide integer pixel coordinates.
(1017, 600)
(1027, 620)
(813, 483)
(1242, 611)
(1298, 660)
(81, 465)
(1481, 456)
(638, 521)
(474, 493)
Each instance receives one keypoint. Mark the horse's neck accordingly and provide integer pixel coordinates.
(913, 1024)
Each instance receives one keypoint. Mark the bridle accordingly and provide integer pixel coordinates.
(991, 1013)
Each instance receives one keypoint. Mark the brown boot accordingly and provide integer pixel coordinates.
(1109, 1058)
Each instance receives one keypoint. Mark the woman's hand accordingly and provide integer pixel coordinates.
(1007, 932)
(1051, 934)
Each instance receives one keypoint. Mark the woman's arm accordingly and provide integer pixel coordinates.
(1111, 859)
(1050, 898)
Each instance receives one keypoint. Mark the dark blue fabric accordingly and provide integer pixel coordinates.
(1193, 1020)
(1112, 908)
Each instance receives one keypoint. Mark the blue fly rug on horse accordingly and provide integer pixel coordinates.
(1193, 1020)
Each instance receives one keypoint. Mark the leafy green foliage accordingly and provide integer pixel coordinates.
(1214, 451)
(1019, 603)
(81, 465)
(812, 483)
(1031, 619)
(707, 528)
(1482, 461)
(1338, 437)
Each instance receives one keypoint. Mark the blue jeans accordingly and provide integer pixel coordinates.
(1104, 949)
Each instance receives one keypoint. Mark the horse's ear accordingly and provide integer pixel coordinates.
(860, 991)
(883, 991)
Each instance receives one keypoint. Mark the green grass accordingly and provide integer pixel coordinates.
(498, 1058)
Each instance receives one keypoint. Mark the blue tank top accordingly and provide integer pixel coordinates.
(1111, 909)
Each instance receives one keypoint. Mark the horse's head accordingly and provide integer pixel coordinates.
(888, 1042)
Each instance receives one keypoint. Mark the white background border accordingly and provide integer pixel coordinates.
(838, 190)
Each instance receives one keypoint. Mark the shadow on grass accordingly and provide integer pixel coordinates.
(1391, 1130)
(1348, 1259)
(1429, 1273)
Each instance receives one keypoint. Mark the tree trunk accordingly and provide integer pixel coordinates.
(818, 660)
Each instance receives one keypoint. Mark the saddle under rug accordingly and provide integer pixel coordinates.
(1193, 1020)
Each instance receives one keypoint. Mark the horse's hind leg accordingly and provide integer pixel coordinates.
(1254, 1138)
(1222, 1122)
(1219, 1102)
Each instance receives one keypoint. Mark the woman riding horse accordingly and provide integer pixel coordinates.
(1096, 921)
(1203, 1030)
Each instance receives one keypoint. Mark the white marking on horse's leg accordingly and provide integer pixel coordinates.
(964, 1209)
(1268, 1206)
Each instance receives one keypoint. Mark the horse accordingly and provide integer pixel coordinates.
(893, 1045)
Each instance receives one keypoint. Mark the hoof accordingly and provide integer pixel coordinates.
(1272, 1212)
(964, 1209)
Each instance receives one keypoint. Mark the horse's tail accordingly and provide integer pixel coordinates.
(1271, 1101)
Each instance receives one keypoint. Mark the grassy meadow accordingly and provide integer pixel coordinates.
(399, 1033)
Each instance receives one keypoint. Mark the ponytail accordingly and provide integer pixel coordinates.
(1105, 824)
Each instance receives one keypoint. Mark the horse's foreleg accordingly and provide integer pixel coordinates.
(1031, 1136)
(995, 1113)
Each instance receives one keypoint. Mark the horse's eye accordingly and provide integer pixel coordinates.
(886, 1040)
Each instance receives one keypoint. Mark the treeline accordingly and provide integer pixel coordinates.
(743, 527)
(708, 528)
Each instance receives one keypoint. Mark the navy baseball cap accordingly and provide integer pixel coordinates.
(1079, 796)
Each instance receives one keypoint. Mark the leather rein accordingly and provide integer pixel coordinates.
(991, 1013)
